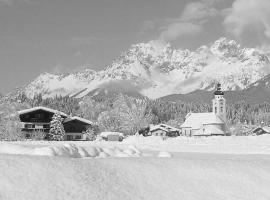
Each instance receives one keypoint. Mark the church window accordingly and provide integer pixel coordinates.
(221, 109)
(215, 109)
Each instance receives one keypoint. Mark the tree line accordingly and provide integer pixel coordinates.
(127, 114)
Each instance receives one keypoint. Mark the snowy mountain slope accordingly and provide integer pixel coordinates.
(156, 70)
(258, 92)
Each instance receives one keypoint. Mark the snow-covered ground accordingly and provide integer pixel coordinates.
(218, 144)
(137, 168)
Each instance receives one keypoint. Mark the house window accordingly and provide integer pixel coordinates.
(69, 137)
(46, 126)
(78, 137)
(29, 126)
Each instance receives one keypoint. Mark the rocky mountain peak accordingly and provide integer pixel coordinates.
(226, 47)
(156, 69)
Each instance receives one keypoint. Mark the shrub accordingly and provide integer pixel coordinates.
(90, 134)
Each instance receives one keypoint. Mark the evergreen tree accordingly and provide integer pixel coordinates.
(57, 131)
(90, 134)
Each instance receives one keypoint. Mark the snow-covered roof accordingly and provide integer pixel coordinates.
(164, 127)
(41, 108)
(197, 120)
(106, 134)
(79, 119)
(265, 128)
(159, 128)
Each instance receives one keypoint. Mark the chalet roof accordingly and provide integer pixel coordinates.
(163, 127)
(41, 108)
(159, 128)
(197, 120)
(77, 118)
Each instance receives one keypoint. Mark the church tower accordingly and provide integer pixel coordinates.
(219, 103)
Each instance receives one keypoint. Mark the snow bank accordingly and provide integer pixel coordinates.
(106, 134)
(70, 150)
(164, 154)
(186, 176)
(214, 144)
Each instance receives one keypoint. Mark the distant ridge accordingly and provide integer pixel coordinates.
(258, 92)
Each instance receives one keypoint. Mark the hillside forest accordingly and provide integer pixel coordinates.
(126, 114)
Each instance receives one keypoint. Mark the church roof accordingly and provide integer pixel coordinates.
(197, 120)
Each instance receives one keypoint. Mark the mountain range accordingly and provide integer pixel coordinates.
(157, 70)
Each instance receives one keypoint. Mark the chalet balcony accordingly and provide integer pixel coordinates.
(34, 126)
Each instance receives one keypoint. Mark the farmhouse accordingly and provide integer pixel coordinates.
(39, 118)
(164, 130)
(206, 124)
(261, 130)
(75, 127)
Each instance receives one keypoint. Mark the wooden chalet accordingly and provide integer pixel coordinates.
(164, 130)
(39, 118)
(75, 127)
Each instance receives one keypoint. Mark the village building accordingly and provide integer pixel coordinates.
(261, 130)
(164, 130)
(39, 118)
(75, 128)
(207, 124)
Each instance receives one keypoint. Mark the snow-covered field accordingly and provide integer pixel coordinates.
(137, 168)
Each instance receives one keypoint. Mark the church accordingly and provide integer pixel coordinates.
(208, 124)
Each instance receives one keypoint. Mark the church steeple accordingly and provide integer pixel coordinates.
(218, 90)
(219, 103)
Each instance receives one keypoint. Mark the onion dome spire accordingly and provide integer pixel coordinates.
(218, 90)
